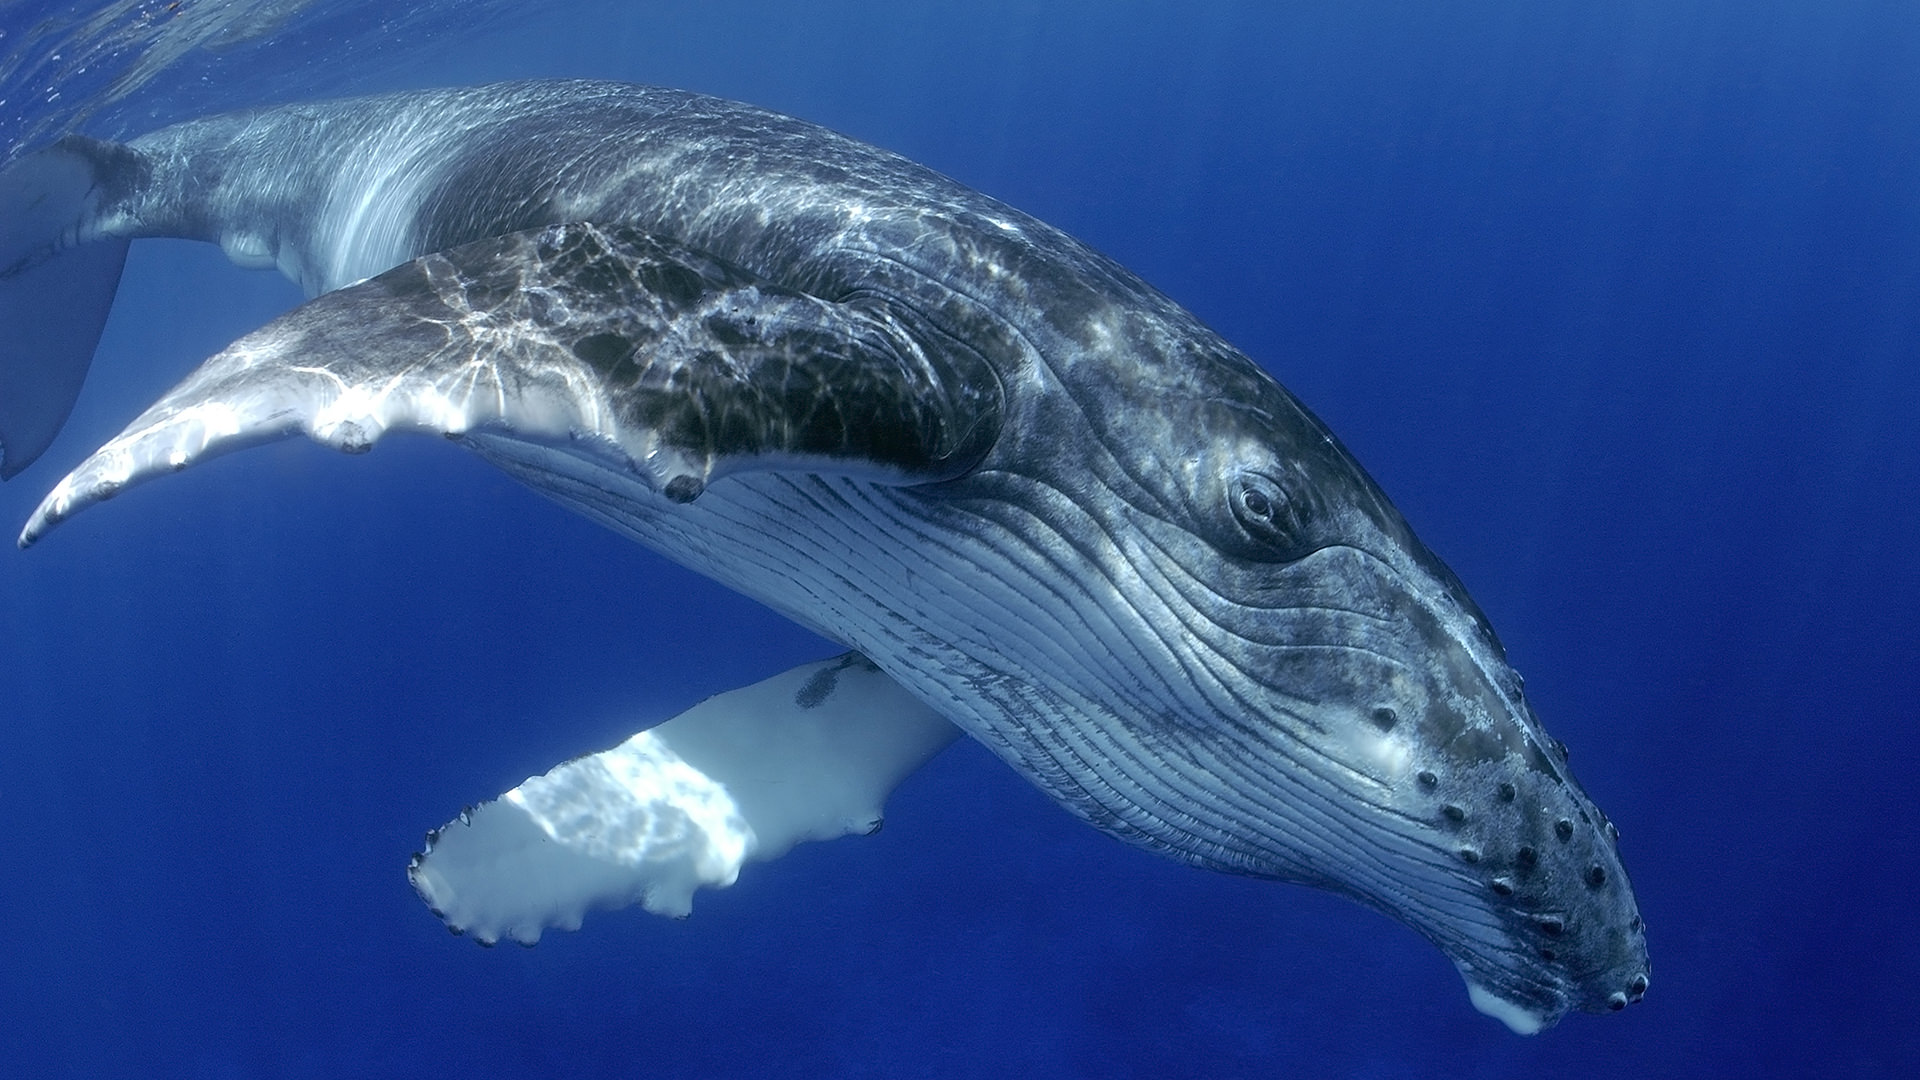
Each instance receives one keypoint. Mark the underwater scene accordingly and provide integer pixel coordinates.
(746, 334)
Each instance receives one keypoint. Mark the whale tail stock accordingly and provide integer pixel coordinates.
(58, 274)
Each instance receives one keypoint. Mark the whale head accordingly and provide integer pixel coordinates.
(1337, 711)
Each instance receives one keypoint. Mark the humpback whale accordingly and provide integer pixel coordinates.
(1042, 504)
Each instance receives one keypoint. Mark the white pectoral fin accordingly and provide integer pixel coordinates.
(810, 754)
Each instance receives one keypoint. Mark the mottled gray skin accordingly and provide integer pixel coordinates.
(1128, 561)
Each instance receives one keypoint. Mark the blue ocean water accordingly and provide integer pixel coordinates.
(1617, 301)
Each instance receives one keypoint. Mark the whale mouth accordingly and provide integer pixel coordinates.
(1531, 1018)
(1525, 1021)
(1590, 958)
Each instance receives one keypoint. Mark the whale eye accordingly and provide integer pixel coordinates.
(1273, 520)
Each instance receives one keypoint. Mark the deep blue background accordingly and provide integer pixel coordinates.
(1618, 302)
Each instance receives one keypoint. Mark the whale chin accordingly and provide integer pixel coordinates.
(1519, 1019)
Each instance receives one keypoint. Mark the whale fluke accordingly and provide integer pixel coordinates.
(610, 344)
(55, 288)
(810, 754)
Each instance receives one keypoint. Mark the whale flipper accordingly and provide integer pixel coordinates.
(633, 351)
(810, 754)
(52, 309)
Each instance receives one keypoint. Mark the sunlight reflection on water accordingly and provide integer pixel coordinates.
(63, 66)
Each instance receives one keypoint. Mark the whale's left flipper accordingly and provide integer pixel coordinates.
(811, 754)
(632, 351)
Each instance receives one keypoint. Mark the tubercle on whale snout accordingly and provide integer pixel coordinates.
(1461, 817)
(1524, 835)
(1547, 861)
(1502, 863)
(1376, 742)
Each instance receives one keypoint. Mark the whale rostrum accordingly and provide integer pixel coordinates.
(1043, 504)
